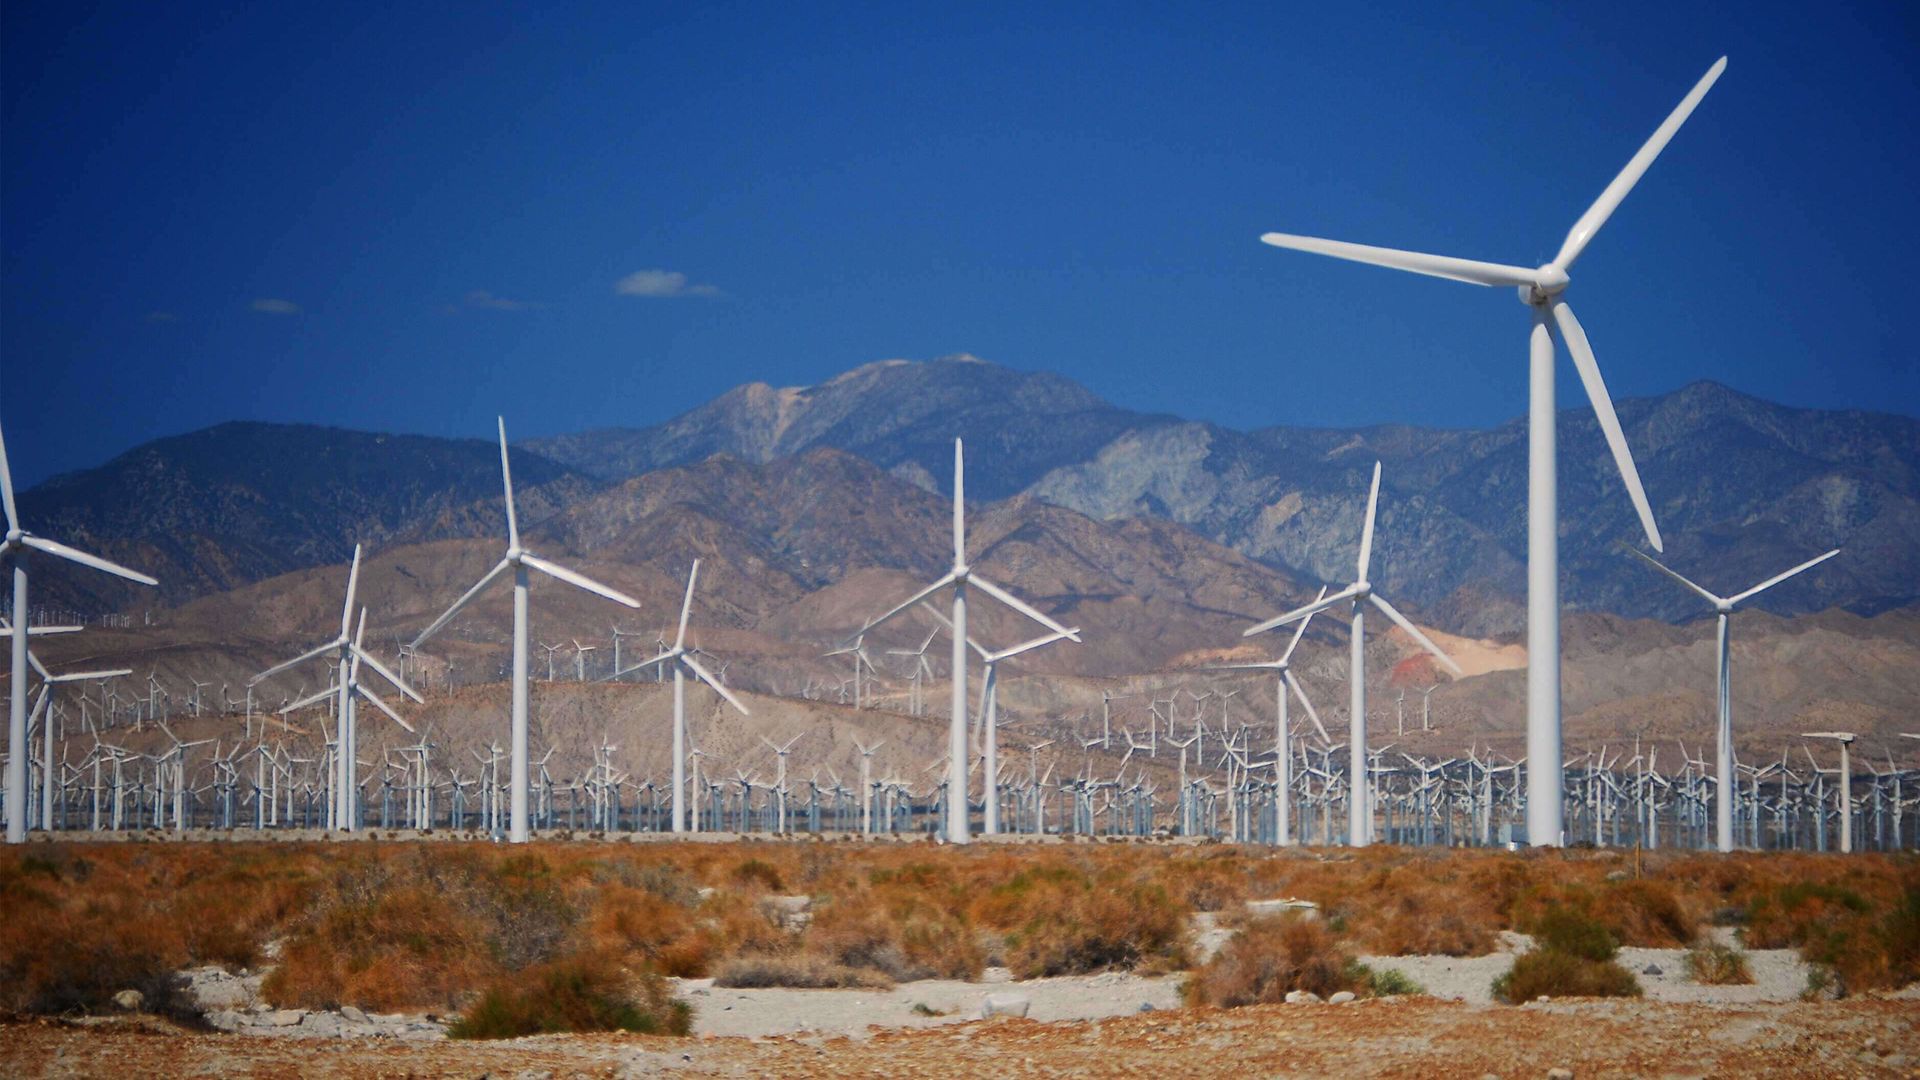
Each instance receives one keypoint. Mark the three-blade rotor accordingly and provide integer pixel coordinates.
(1542, 287)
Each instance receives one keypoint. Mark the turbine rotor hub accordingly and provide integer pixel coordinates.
(1552, 280)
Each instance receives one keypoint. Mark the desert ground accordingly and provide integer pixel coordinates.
(803, 958)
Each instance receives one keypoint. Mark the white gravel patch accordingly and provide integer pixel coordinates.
(722, 1011)
(1778, 974)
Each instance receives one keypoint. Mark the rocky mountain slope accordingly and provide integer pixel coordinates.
(237, 503)
(1743, 488)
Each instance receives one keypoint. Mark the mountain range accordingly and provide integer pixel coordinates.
(1743, 488)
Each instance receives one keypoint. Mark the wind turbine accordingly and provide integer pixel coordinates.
(1723, 607)
(959, 578)
(1283, 735)
(1360, 593)
(15, 547)
(48, 681)
(1542, 290)
(347, 651)
(1845, 739)
(519, 560)
(683, 662)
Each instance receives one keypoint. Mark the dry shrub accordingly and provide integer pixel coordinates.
(641, 926)
(1556, 974)
(1413, 912)
(805, 971)
(1214, 882)
(1569, 930)
(421, 930)
(1865, 945)
(1071, 928)
(1644, 914)
(757, 873)
(906, 939)
(582, 992)
(1713, 964)
(1271, 957)
(58, 956)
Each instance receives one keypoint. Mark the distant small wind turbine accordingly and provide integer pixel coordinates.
(1723, 607)
(1360, 593)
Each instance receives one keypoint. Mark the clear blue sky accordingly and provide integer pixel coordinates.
(412, 220)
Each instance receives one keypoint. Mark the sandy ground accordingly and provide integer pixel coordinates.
(721, 1011)
(1779, 975)
(1404, 1037)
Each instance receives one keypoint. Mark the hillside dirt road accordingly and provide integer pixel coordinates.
(1409, 1037)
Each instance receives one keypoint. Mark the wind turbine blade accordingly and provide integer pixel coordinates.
(1321, 604)
(579, 581)
(1778, 578)
(944, 581)
(383, 707)
(317, 650)
(82, 676)
(1406, 624)
(1022, 607)
(1440, 266)
(506, 478)
(311, 699)
(686, 605)
(376, 665)
(1674, 574)
(1300, 630)
(694, 666)
(354, 652)
(75, 555)
(353, 581)
(1583, 362)
(6, 486)
(479, 587)
(1300, 695)
(1028, 646)
(1366, 534)
(1609, 200)
(978, 649)
(959, 506)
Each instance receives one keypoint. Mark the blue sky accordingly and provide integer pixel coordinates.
(411, 220)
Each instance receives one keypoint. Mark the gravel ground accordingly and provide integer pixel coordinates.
(1405, 1037)
(723, 1011)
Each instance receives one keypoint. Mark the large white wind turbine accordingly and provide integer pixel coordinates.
(1723, 609)
(684, 663)
(1360, 593)
(1543, 290)
(346, 653)
(15, 548)
(519, 561)
(959, 577)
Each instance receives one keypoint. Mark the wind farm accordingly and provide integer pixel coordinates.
(829, 707)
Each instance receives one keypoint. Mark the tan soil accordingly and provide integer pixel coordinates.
(1873, 1036)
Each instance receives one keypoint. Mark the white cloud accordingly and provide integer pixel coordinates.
(268, 305)
(661, 284)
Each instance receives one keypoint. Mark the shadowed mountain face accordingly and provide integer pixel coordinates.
(1742, 488)
(237, 503)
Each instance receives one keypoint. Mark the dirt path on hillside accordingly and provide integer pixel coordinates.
(1409, 1037)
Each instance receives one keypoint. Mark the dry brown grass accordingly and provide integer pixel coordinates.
(428, 926)
(1272, 957)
